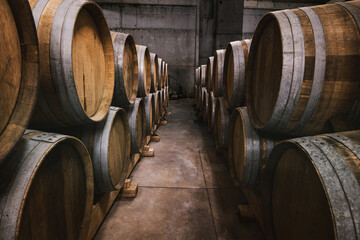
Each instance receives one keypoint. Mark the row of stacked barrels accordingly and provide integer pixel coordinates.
(89, 95)
(284, 108)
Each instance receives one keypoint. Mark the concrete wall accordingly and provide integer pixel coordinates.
(168, 28)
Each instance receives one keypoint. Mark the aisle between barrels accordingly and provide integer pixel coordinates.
(185, 191)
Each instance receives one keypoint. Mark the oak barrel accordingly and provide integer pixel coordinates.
(312, 187)
(304, 68)
(221, 127)
(236, 58)
(247, 150)
(166, 82)
(150, 113)
(203, 75)
(163, 79)
(144, 68)
(196, 94)
(197, 76)
(108, 143)
(205, 104)
(157, 101)
(209, 73)
(19, 68)
(218, 72)
(76, 85)
(161, 73)
(137, 123)
(162, 100)
(211, 112)
(46, 189)
(154, 72)
(167, 96)
(126, 70)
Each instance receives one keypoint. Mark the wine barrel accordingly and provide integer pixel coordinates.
(247, 150)
(236, 57)
(201, 98)
(144, 67)
(108, 143)
(166, 75)
(218, 72)
(76, 85)
(203, 75)
(162, 99)
(211, 111)
(312, 187)
(221, 127)
(150, 113)
(19, 68)
(46, 188)
(161, 74)
(137, 122)
(167, 96)
(157, 101)
(209, 74)
(126, 70)
(311, 72)
(205, 104)
(196, 94)
(197, 76)
(154, 72)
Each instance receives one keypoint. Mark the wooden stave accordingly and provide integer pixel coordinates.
(205, 104)
(167, 97)
(132, 114)
(327, 156)
(144, 70)
(28, 91)
(221, 133)
(65, 108)
(121, 98)
(209, 73)
(197, 76)
(97, 140)
(211, 111)
(150, 113)
(218, 72)
(26, 159)
(239, 50)
(312, 121)
(163, 103)
(156, 95)
(201, 98)
(256, 151)
(166, 83)
(154, 72)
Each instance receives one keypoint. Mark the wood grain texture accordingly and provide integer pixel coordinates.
(218, 72)
(47, 189)
(304, 69)
(137, 123)
(236, 58)
(221, 127)
(126, 70)
(157, 107)
(72, 91)
(154, 72)
(150, 113)
(161, 73)
(19, 69)
(144, 67)
(312, 187)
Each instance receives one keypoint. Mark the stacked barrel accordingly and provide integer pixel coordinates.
(280, 100)
(92, 97)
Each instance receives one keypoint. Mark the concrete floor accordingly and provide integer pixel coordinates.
(185, 191)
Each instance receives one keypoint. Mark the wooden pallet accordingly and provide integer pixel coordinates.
(102, 207)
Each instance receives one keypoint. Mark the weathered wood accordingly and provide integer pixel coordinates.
(155, 137)
(126, 70)
(312, 187)
(221, 127)
(304, 69)
(144, 68)
(209, 74)
(19, 68)
(218, 72)
(148, 153)
(150, 113)
(211, 112)
(46, 188)
(236, 58)
(247, 150)
(154, 72)
(76, 85)
(129, 192)
(137, 124)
